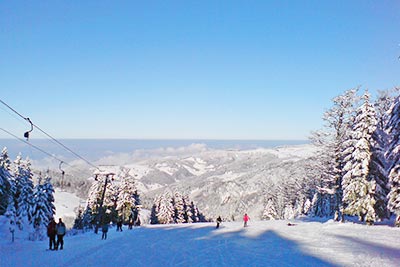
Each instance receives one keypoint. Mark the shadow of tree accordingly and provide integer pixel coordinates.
(352, 219)
(378, 249)
(209, 247)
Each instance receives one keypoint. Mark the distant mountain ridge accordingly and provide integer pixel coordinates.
(95, 149)
(222, 182)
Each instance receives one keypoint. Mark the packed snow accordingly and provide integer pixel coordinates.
(263, 243)
(66, 204)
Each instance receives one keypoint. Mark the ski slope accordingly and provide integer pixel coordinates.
(266, 243)
(66, 204)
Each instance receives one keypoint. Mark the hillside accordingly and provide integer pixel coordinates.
(223, 183)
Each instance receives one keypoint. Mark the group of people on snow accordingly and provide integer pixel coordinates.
(131, 223)
(246, 218)
(56, 229)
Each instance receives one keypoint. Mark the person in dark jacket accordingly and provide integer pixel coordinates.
(104, 229)
(137, 222)
(51, 233)
(61, 230)
(119, 226)
(219, 221)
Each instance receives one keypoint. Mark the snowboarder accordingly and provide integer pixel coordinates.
(61, 230)
(219, 220)
(119, 226)
(104, 229)
(51, 233)
(246, 218)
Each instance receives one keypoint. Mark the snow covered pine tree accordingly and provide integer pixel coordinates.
(358, 185)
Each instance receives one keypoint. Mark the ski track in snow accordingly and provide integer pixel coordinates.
(266, 243)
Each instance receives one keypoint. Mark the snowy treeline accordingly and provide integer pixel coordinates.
(118, 198)
(28, 206)
(356, 168)
(75, 180)
(291, 196)
(174, 208)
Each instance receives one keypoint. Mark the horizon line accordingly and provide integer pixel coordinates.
(165, 139)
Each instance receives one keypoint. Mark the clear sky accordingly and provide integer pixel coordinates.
(190, 69)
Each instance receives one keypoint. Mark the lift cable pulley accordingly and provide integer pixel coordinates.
(26, 134)
(62, 175)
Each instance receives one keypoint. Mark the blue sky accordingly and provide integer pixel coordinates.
(190, 69)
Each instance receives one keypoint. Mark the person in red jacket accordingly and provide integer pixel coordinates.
(51, 233)
(246, 218)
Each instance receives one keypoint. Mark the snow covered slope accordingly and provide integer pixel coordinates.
(268, 243)
(66, 204)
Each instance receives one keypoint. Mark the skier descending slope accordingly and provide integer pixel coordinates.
(219, 221)
(246, 218)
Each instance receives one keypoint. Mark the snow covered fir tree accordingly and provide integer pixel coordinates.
(393, 155)
(28, 206)
(43, 208)
(175, 208)
(354, 170)
(358, 183)
(357, 151)
(112, 198)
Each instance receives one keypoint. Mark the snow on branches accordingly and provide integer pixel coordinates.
(27, 206)
(358, 149)
(174, 208)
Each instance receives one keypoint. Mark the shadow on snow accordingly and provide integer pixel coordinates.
(378, 249)
(191, 245)
(206, 246)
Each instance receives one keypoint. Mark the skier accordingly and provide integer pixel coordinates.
(104, 229)
(219, 220)
(246, 218)
(61, 230)
(119, 225)
(51, 233)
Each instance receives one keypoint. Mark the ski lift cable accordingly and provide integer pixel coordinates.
(16, 112)
(49, 136)
(65, 147)
(26, 134)
(41, 150)
(18, 118)
(35, 147)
